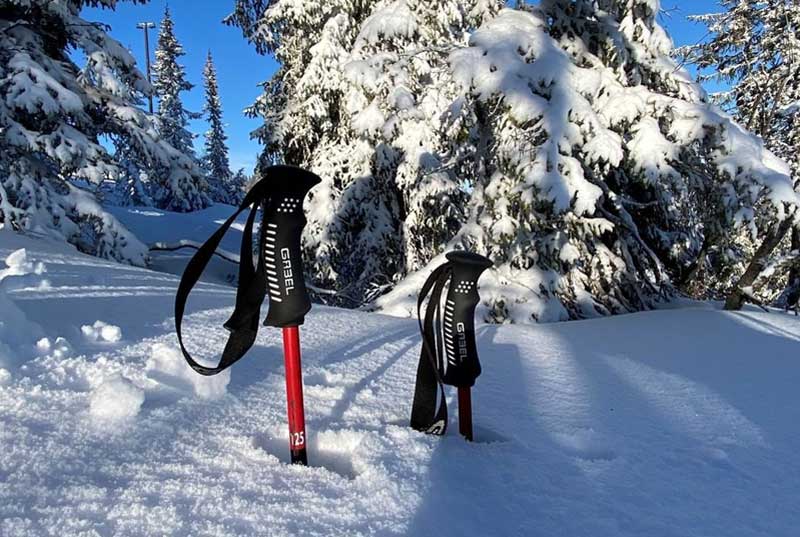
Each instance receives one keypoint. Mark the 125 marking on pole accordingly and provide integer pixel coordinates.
(297, 440)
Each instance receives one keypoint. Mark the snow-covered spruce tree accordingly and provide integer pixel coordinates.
(215, 160)
(173, 118)
(133, 184)
(364, 98)
(602, 155)
(51, 116)
(238, 185)
(399, 108)
(301, 101)
(755, 49)
(170, 81)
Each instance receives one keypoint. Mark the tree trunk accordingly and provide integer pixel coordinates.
(687, 279)
(736, 297)
(793, 287)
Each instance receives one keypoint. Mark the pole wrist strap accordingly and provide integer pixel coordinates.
(449, 354)
(278, 268)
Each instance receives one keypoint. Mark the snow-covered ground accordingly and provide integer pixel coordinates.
(165, 229)
(680, 422)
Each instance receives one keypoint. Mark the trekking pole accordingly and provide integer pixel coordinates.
(465, 412)
(294, 395)
(449, 352)
(279, 274)
(463, 298)
(289, 302)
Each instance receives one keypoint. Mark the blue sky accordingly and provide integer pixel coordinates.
(198, 25)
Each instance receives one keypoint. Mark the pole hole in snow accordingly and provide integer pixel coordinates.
(329, 450)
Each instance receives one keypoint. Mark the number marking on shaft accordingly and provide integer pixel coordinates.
(297, 439)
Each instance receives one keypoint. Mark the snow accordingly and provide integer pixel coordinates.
(60, 348)
(670, 423)
(100, 331)
(390, 22)
(157, 228)
(17, 332)
(115, 399)
(167, 367)
(369, 120)
(549, 90)
(652, 152)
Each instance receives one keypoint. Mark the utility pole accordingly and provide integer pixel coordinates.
(145, 26)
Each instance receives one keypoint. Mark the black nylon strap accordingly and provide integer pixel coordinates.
(280, 194)
(252, 289)
(425, 416)
(243, 324)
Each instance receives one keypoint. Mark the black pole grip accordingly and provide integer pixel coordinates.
(281, 229)
(458, 319)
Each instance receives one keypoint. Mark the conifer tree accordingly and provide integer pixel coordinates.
(594, 170)
(173, 118)
(301, 108)
(170, 81)
(133, 184)
(361, 98)
(604, 160)
(401, 98)
(238, 186)
(755, 49)
(52, 116)
(215, 160)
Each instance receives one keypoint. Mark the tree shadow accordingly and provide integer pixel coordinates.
(367, 344)
(687, 346)
(350, 396)
(624, 433)
(466, 480)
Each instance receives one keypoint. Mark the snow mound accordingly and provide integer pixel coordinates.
(60, 348)
(18, 263)
(101, 331)
(167, 368)
(116, 399)
(20, 271)
(16, 331)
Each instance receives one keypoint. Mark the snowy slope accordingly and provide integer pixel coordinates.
(668, 423)
(158, 227)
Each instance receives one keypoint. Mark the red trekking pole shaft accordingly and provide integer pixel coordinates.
(465, 412)
(294, 395)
